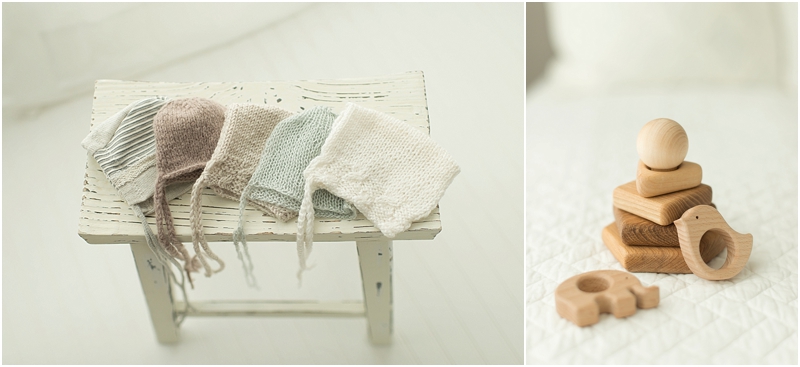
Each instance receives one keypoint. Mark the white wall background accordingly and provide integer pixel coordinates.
(602, 46)
(458, 299)
(54, 51)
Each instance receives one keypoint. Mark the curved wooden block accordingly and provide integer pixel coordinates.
(662, 209)
(695, 223)
(582, 298)
(651, 183)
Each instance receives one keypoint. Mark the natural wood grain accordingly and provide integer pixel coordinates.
(662, 144)
(662, 209)
(582, 298)
(699, 223)
(105, 218)
(637, 231)
(657, 259)
(651, 183)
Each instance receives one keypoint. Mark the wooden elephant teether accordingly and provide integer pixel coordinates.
(693, 224)
(582, 298)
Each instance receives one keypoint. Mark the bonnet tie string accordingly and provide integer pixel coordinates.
(166, 233)
(165, 259)
(198, 238)
(305, 228)
(238, 236)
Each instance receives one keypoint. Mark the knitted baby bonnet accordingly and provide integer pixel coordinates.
(277, 182)
(125, 148)
(390, 171)
(244, 133)
(186, 133)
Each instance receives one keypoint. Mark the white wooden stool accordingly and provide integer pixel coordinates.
(106, 219)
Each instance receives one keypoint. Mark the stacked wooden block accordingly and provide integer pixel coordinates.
(643, 237)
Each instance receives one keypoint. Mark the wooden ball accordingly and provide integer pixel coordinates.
(662, 144)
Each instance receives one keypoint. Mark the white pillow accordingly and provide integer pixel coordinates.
(603, 45)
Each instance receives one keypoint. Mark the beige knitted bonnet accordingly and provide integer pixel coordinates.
(244, 133)
(186, 134)
(390, 171)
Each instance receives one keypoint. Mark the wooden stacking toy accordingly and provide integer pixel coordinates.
(653, 231)
(582, 298)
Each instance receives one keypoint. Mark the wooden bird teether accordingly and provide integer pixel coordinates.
(582, 298)
(694, 224)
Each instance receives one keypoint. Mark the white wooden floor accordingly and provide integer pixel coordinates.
(458, 299)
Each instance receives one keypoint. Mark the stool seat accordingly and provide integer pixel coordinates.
(106, 219)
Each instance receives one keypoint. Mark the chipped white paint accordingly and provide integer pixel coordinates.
(156, 287)
(375, 259)
(106, 219)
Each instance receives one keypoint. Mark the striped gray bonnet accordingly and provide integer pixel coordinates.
(124, 146)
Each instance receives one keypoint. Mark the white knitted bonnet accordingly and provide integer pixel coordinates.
(390, 171)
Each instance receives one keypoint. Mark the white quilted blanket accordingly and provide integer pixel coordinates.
(579, 147)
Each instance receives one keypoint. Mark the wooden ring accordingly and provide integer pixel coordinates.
(693, 224)
(582, 298)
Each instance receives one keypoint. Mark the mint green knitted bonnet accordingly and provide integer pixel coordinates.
(277, 182)
(278, 179)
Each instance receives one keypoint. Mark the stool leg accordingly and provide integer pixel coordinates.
(156, 286)
(375, 258)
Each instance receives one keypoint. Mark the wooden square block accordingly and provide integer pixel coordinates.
(662, 209)
(637, 231)
(658, 259)
(651, 183)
